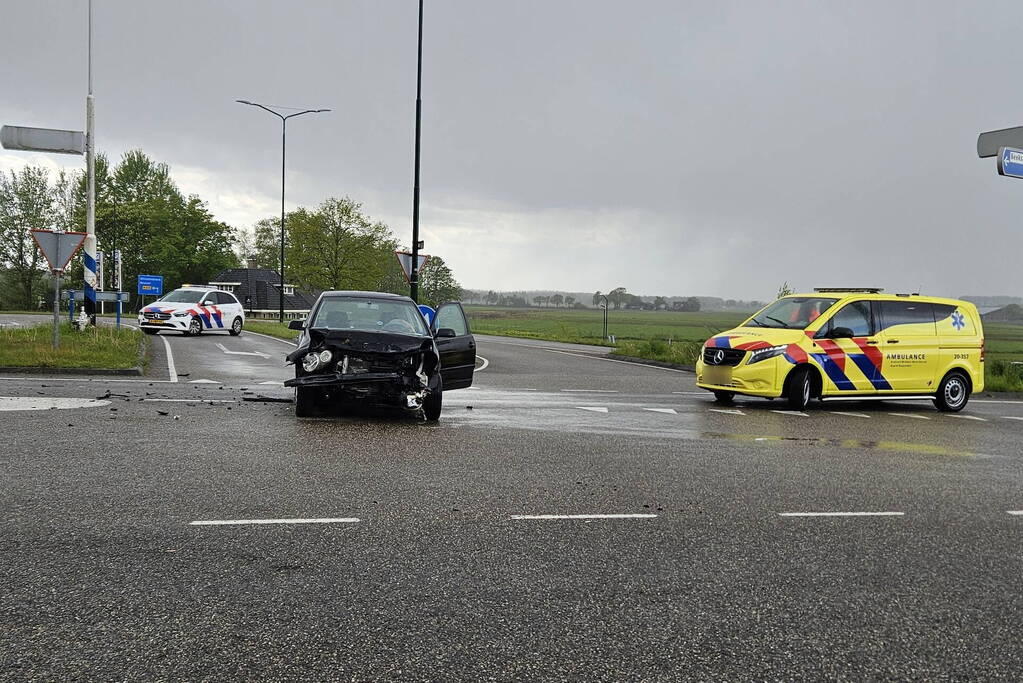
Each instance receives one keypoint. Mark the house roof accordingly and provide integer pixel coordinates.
(262, 286)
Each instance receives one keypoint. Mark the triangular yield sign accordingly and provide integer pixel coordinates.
(405, 259)
(58, 247)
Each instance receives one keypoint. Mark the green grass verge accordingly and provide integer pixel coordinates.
(677, 353)
(100, 347)
(271, 328)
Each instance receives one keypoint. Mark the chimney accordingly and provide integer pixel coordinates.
(250, 264)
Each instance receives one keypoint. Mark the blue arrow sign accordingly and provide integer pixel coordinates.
(1010, 162)
(150, 285)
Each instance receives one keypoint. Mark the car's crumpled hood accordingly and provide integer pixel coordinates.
(362, 342)
(751, 338)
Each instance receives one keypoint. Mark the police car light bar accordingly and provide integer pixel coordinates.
(867, 290)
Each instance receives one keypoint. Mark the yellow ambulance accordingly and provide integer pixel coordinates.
(850, 344)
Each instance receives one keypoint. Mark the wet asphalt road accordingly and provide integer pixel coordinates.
(103, 576)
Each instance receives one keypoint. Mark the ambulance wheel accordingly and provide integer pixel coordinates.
(236, 327)
(194, 328)
(149, 330)
(433, 403)
(799, 389)
(724, 397)
(305, 402)
(953, 393)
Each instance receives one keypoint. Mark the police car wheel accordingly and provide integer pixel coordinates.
(724, 396)
(149, 330)
(953, 393)
(800, 389)
(195, 327)
(236, 327)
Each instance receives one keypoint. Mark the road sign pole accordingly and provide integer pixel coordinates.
(414, 274)
(89, 258)
(56, 310)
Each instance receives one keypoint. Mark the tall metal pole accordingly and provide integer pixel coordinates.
(414, 270)
(284, 132)
(89, 258)
(56, 309)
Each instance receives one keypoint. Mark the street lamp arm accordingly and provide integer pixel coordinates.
(307, 111)
(256, 104)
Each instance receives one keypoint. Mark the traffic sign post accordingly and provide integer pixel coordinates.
(58, 248)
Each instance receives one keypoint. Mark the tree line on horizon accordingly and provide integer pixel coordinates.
(141, 212)
(617, 298)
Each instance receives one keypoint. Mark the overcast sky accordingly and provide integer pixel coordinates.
(678, 148)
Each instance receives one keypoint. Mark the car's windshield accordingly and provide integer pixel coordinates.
(791, 313)
(375, 315)
(184, 296)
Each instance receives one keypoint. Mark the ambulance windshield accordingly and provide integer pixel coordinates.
(791, 313)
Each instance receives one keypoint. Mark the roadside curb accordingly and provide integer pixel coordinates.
(27, 370)
(655, 363)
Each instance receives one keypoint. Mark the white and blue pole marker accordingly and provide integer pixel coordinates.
(89, 255)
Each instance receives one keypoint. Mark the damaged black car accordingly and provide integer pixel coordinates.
(376, 349)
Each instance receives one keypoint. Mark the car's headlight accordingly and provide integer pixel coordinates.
(311, 362)
(181, 314)
(764, 354)
(325, 357)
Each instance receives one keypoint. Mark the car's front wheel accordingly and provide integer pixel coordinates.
(800, 389)
(195, 327)
(724, 397)
(149, 330)
(433, 403)
(236, 327)
(305, 402)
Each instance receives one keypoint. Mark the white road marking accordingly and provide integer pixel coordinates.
(841, 514)
(624, 362)
(170, 360)
(280, 384)
(1008, 417)
(968, 417)
(267, 336)
(991, 400)
(912, 415)
(612, 516)
(790, 412)
(22, 378)
(189, 400)
(242, 353)
(590, 391)
(666, 411)
(839, 412)
(320, 520)
(1018, 513)
(9, 403)
(726, 411)
(592, 409)
(205, 381)
(484, 366)
(692, 393)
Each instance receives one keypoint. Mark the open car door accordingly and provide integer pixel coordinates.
(456, 345)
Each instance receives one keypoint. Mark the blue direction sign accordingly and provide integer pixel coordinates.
(1010, 162)
(150, 285)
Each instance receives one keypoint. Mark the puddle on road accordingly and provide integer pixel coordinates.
(865, 444)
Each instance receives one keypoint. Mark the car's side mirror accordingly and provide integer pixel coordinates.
(296, 324)
(445, 332)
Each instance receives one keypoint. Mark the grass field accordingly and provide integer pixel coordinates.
(676, 337)
(99, 347)
(271, 328)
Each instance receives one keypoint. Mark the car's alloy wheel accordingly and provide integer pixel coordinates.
(236, 327)
(195, 327)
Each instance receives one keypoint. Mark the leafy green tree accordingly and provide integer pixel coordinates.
(660, 302)
(557, 300)
(691, 304)
(569, 301)
(437, 284)
(618, 296)
(26, 203)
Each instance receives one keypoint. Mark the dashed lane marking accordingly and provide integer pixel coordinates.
(170, 360)
(598, 516)
(1017, 513)
(692, 393)
(231, 522)
(592, 409)
(189, 400)
(841, 514)
(795, 413)
(205, 381)
(839, 412)
(1011, 417)
(968, 417)
(590, 391)
(666, 411)
(9, 403)
(726, 411)
(912, 415)
(280, 384)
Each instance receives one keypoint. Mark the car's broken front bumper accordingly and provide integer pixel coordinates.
(378, 388)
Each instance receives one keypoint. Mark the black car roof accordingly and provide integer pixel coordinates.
(365, 295)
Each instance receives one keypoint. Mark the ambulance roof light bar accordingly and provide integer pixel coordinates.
(865, 290)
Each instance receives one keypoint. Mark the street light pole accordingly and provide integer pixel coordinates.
(284, 137)
(89, 257)
(414, 270)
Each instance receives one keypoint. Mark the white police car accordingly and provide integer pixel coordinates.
(192, 310)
